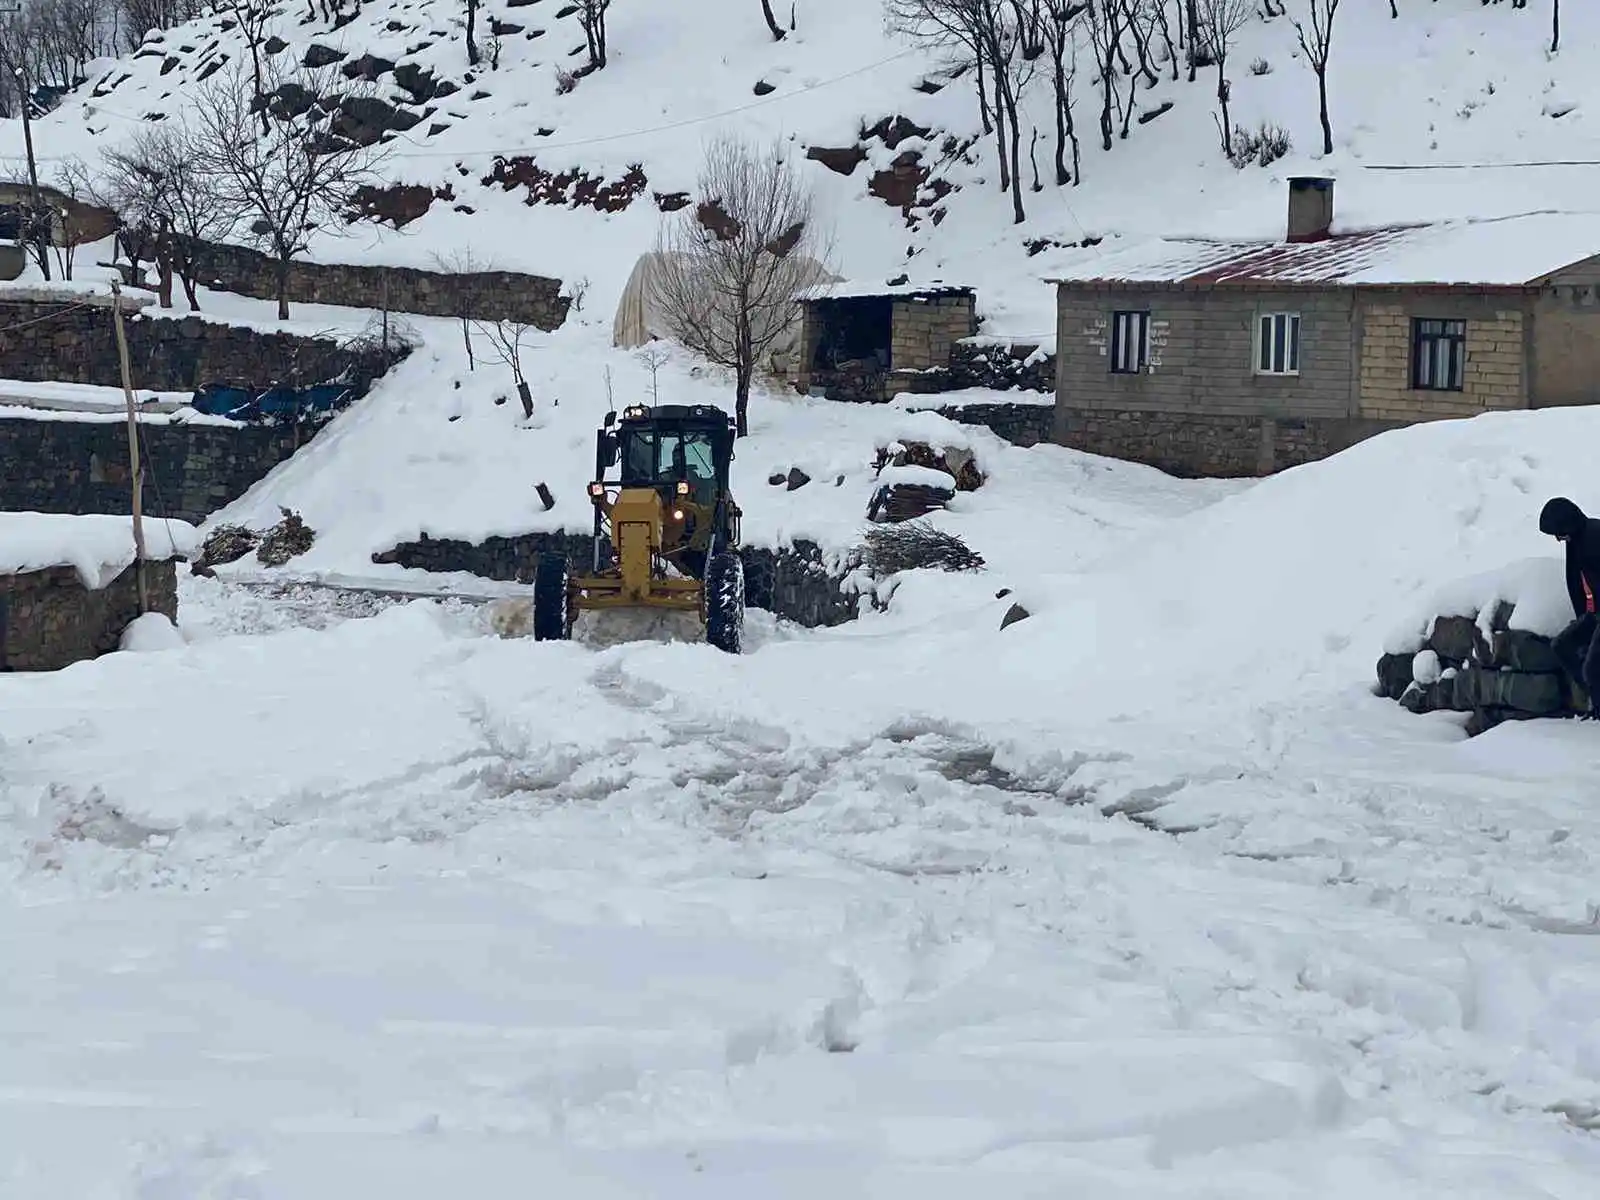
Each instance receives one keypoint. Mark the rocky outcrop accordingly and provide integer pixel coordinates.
(1481, 666)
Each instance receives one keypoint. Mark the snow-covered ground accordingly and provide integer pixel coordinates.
(1144, 896)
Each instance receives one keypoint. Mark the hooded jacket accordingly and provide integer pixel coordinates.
(1562, 518)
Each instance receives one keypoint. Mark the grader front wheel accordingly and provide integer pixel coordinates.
(724, 601)
(551, 618)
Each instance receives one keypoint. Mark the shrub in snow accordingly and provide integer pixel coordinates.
(1260, 67)
(224, 544)
(288, 538)
(1264, 147)
(916, 545)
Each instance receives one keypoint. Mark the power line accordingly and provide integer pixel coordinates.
(1492, 166)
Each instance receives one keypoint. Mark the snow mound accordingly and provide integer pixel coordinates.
(151, 633)
(99, 548)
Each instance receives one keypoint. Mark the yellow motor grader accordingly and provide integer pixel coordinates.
(666, 530)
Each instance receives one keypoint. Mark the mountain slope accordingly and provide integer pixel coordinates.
(1446, 82)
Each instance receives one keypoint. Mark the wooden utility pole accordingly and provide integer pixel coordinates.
(133, 449)
(36, 213)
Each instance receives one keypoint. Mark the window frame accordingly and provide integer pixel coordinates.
(1455, 366)
(1265, 344)
(1139, 320)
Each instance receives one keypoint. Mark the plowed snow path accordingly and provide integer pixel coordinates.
(391, 908)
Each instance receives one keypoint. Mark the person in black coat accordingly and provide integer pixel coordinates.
(1578, 645)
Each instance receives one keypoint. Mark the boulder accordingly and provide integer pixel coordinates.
(796, 479)
(841, 160)
(365, 119)
(1518, 650)
(1014, 614)
(368, 67)
(1458, 640)
(321, 56)
(419, 82)
(1394, 675)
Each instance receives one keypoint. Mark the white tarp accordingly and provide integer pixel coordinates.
(639, 318)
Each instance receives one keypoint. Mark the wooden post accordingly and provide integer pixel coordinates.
(37, 206)
(133, 449)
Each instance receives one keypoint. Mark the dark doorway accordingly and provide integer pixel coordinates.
(855, 331)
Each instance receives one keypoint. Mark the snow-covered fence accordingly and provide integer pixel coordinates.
(1487, 651)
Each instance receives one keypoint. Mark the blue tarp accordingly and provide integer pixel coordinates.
(277, 403)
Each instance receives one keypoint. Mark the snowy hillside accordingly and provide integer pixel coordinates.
(1447, 82)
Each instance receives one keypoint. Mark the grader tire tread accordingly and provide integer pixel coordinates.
(551, 619)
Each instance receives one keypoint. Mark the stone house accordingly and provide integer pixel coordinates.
(866, 342)
(74, 222)
(1212, 358)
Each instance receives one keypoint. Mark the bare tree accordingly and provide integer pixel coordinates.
(472, 33)
(654, 357)
(253, 17)
(1555, 26)
(950, 26)
(176, 209)
(1317, 43)
(778, 31)
(507, 338)
(283, 186)
(460, 264)
(592, 15)
(732, 266)
(1107, 22)
(1220, 23)
(1059, 23)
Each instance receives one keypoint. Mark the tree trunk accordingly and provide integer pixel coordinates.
(283, 288)
(1017, 215)
(1222, 99)
(1191, 14)
(190, 287)
(1000, 129)
(1108, 85)
(1322, 109)
(778, 32)
(741, 402)
(1063, 115)
(983, 100)
(472, 33)
(1555, 26)
(164, 278)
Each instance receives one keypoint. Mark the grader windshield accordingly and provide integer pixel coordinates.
(651, 457)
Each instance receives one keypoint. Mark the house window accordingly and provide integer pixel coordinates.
(1130, 342)
(1438, 355)
(1278, 344)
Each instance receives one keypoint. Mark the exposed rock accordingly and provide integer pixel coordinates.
(796, 479)
(1394, 675)
(318, 55)
(291, 100)
(570, 188)
(1458, 639)
(419, 82)
(1014, 614)
(368, 67)
(398, 204)
(777, 479)
(671, 202)
(763, 88)
(365, 119)
(891, 131)
(274, 46)
(842, 161)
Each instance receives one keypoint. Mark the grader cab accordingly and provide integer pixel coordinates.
(666, 528)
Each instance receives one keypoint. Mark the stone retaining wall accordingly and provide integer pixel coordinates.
(1002, 367)
(49, 620)
(792, 583)
(48, 340)
(1204, 446)
(486, 295)
(80, 466)
(1019, 424)
(1504, 675)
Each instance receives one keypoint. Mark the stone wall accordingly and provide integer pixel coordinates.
(47, 339)
(1508, 675)
(1496, 367)
(1204, 446)
(1566, 345)
(1001, 367)
(49, 620)
(487, 295)
(80, 466)
(1019, 424)
(925, 330)
(793, 583)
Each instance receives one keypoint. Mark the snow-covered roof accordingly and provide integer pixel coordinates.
(99, 548)
(866, 289)
(1517, 251)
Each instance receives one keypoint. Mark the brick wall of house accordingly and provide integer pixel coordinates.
(49, 619)
(1497, 356)
(1202, 358)
(926, 331)
(1566, 345)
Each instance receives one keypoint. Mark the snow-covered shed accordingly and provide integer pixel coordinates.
(871, 341)
(69, 584)
(1208, 357)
